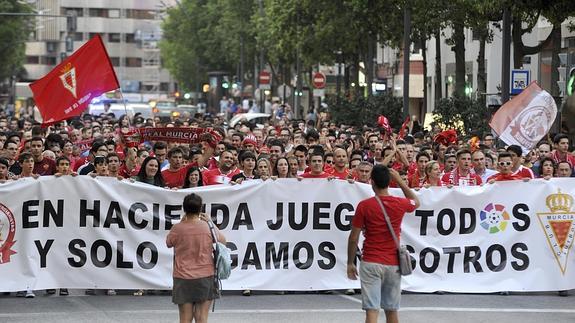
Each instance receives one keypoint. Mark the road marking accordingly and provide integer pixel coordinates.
(288, 311)
(474, 309)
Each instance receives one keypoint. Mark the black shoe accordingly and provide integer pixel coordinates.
(563, 293)
(50, 291)
(64, 292)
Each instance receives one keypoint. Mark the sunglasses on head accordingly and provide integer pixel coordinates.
(506, 163)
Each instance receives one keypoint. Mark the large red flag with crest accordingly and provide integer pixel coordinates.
(68, 89)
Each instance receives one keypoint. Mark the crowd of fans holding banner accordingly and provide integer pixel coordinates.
(102, 145)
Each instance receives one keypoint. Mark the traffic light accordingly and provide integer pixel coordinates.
(225, 82)
(571, 82)
(468, 89)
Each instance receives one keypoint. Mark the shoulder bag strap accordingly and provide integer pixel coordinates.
(389, 226)
(214, 241)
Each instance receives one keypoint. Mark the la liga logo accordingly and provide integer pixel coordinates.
(7, 234)
(494, 218)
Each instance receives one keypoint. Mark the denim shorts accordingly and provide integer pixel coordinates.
(380, 286)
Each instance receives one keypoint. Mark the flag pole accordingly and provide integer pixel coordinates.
(125, 107)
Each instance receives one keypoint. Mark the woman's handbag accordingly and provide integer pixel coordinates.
(222, 257)
(405, 268)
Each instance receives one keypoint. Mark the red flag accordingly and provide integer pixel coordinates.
(68, 89)
(403, 128)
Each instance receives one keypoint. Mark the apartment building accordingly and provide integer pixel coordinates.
(130, 29)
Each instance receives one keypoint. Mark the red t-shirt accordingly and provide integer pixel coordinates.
(45, 167)
(176, 178)
(343, 175)
(524, 172)
(454, 178)
(378, 246)
(567, 157)
(504, 177)
(79, 162)
(310, 175)
(412, 169)
(123, 171)
(215, 176)
(415, 180)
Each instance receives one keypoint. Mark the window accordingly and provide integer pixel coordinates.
(115, 61)
(92, 35)
(70, 11)
(164, 86)
(133, 61)
(48, 60)
(51, 47)
(32, 60)
(76, 36)
(114, 37)
(130, 38)
(570, 42)
(139, 14)
(98, 12)
(113, 13)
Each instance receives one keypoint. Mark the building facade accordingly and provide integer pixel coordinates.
(539, 66)
(130, 29)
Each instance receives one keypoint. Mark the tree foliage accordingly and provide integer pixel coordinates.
(14, 31)
(464, 114)
(360, 111)
(202, 36)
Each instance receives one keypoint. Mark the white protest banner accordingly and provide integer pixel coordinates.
(285, 235)
(526, 118)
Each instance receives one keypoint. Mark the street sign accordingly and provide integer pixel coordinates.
(319, 92)
(318, 80)
(265, 80)
(284, 91)
(520, 79)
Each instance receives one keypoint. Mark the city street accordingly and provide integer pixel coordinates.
(269, 307)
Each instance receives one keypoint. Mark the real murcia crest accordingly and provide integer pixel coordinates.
(68, 78)
(7, 234)
(559, 226)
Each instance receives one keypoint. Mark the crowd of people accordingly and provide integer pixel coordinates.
(282, 148)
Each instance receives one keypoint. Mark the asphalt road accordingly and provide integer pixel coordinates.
(269, 307)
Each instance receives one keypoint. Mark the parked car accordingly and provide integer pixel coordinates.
(258, 119)
(164, 109)
(119, 109)
(185, 111)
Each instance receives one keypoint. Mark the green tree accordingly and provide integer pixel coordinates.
(202, 36)
(360, 111)
(463, 114)
(14, 31)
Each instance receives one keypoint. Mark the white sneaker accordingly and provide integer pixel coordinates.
(111, 292)
(30, 294)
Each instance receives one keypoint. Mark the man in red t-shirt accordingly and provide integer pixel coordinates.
(316, 167)
(42, 166)
(340, 169)
(505, 163)
(379, 272)
(519, 170)
(224, 173)
(463, 174)
(175, 175)
(561, 151)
